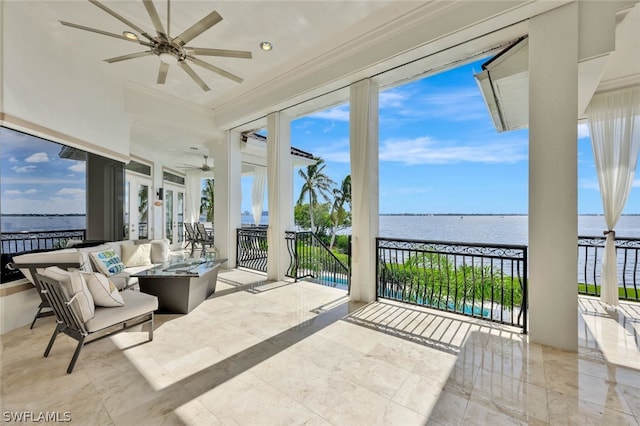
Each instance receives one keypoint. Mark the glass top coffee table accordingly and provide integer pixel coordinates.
(182, 284)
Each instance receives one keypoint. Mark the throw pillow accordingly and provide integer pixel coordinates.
(159, 251)
(74, 288)
(136, 255)
(108, 261)
(103, 291)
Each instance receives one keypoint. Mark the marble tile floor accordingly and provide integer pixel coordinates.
(280, 353)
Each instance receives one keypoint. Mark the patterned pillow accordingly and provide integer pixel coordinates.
(107, 261)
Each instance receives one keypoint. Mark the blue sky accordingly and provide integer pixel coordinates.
(36, 180)
(440, 153)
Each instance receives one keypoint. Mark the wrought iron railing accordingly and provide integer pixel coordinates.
(313, 260)
(23, 242)
(251, 248)
(590, 253)
(309, 257)
(481, 281)
(12, 243)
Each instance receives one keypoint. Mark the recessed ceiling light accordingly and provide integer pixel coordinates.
(130, 35)
(266, 46)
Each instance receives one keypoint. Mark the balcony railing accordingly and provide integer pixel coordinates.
(12, 243)
(590, 253)
(251, 249)
(480, 281)
(312, 259)
(23, 242)
(309, 257)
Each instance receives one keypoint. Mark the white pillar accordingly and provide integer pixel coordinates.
(228, 194)
(363, 124)
(279, 193)
(553, 183)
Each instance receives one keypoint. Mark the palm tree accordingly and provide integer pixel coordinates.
(206, 201)
(316, 184)
(339, 215)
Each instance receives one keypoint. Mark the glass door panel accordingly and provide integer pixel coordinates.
(169, 215)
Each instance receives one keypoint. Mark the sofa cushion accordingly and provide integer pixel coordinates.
(107, 261)
(117, 246)
(159, 249)
(136, 255)
(48, 258)
(135, 304)
(103, 291)
(75, 289)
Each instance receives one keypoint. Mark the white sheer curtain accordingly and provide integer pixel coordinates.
(257, 193)
(614, 123)
(192, 183)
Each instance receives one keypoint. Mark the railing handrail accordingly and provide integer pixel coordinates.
(327, 249)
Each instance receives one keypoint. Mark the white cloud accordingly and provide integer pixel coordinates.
(78, 167)
(73, 192)
(23, 169)
(392, 99)
(636, 183)
(426, 150)
(339, 113)
(583, 131)
(591, 183)
(31, 191)
(38, 157)
(13, 160)
(12, 192)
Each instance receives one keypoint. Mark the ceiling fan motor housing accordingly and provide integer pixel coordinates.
(161, 47)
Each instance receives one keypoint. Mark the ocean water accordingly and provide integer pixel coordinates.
(494, 229)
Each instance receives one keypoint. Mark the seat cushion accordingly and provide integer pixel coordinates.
(75, 289)
(135, 304)
(104, 292)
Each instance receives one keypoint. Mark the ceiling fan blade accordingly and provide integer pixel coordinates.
(194, 76)
(219, 52)
(155, 18)
(120, 18)
(162, 74)
(215, 69)
(198, 28)
(129, 56)
(94, 30)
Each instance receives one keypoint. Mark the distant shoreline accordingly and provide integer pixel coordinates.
(41, 214)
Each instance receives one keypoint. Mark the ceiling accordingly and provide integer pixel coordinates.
(319, 47)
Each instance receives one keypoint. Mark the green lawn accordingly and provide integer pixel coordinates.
(591, 289)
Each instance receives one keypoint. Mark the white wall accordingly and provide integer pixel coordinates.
(45, 84)
(18, 309)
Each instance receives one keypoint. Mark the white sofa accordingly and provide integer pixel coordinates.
(159, 253)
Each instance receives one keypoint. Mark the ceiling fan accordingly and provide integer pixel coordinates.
(169, 50)
(205, 166)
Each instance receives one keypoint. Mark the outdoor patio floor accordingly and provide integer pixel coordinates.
(260, 353)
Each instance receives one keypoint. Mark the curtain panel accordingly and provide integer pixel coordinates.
(614, 123)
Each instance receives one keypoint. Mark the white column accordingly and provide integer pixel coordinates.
(279, 193)
(363, 125)
(553, 183)
(228, 194)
